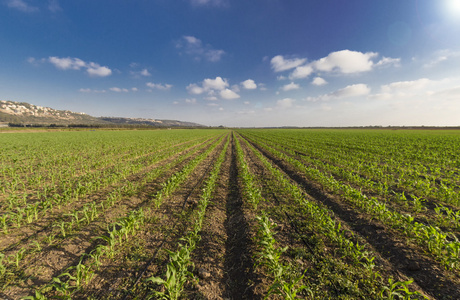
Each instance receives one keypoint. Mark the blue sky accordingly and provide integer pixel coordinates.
(237, 63)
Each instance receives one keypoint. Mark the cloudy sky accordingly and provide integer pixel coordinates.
(237, 62)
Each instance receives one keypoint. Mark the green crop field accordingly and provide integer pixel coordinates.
(230, 214)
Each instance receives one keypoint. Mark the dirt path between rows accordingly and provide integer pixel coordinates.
(223, 259)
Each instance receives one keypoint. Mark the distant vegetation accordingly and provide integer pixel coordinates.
(22, 114)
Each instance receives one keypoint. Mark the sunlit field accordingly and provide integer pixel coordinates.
(249, 213)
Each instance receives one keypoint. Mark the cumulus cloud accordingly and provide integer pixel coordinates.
(213, 87)
(141, 73)
(215, 84)
(194, 47)
(285, 103)
(354, 90)
(249, 84)
(319, 81)
(291, 86)
(159, 86)
(228, 94)
(279, 63)
(190, 101)
(69, 63)
(21, 5)
(346, 61)
(98, 71)
(301, 72)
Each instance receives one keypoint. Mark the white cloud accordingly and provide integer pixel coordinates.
(21, 5)
(346, 61)
(279, 63)
(246, 102)
(190, 101)
(194, 47)
(385, 61)
(208, 2)
(97, 70)
(118, 90)
(354, 90)
(159, 86)
(215, 84)
(228, 94)
(134, 89)
(218, 86)
(68, 63)
(91, 91)
(211, 98)
(194, 89)
(319, 81)
(145, 73)
(249, 84)
(381, 96)
(448, 94)
(285, 103)
(291, 86)
(301, 72)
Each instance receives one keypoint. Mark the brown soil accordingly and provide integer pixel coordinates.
(223, 258)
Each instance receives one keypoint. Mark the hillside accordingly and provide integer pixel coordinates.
(22, 113)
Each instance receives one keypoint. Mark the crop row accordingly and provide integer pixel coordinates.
(322, 223)
(444, 247)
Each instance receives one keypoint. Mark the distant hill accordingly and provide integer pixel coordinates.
(22, 113)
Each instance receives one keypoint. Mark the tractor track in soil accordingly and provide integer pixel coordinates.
(223, 259)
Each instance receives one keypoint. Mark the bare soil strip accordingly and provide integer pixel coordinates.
(223, 258)
(407, 259)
